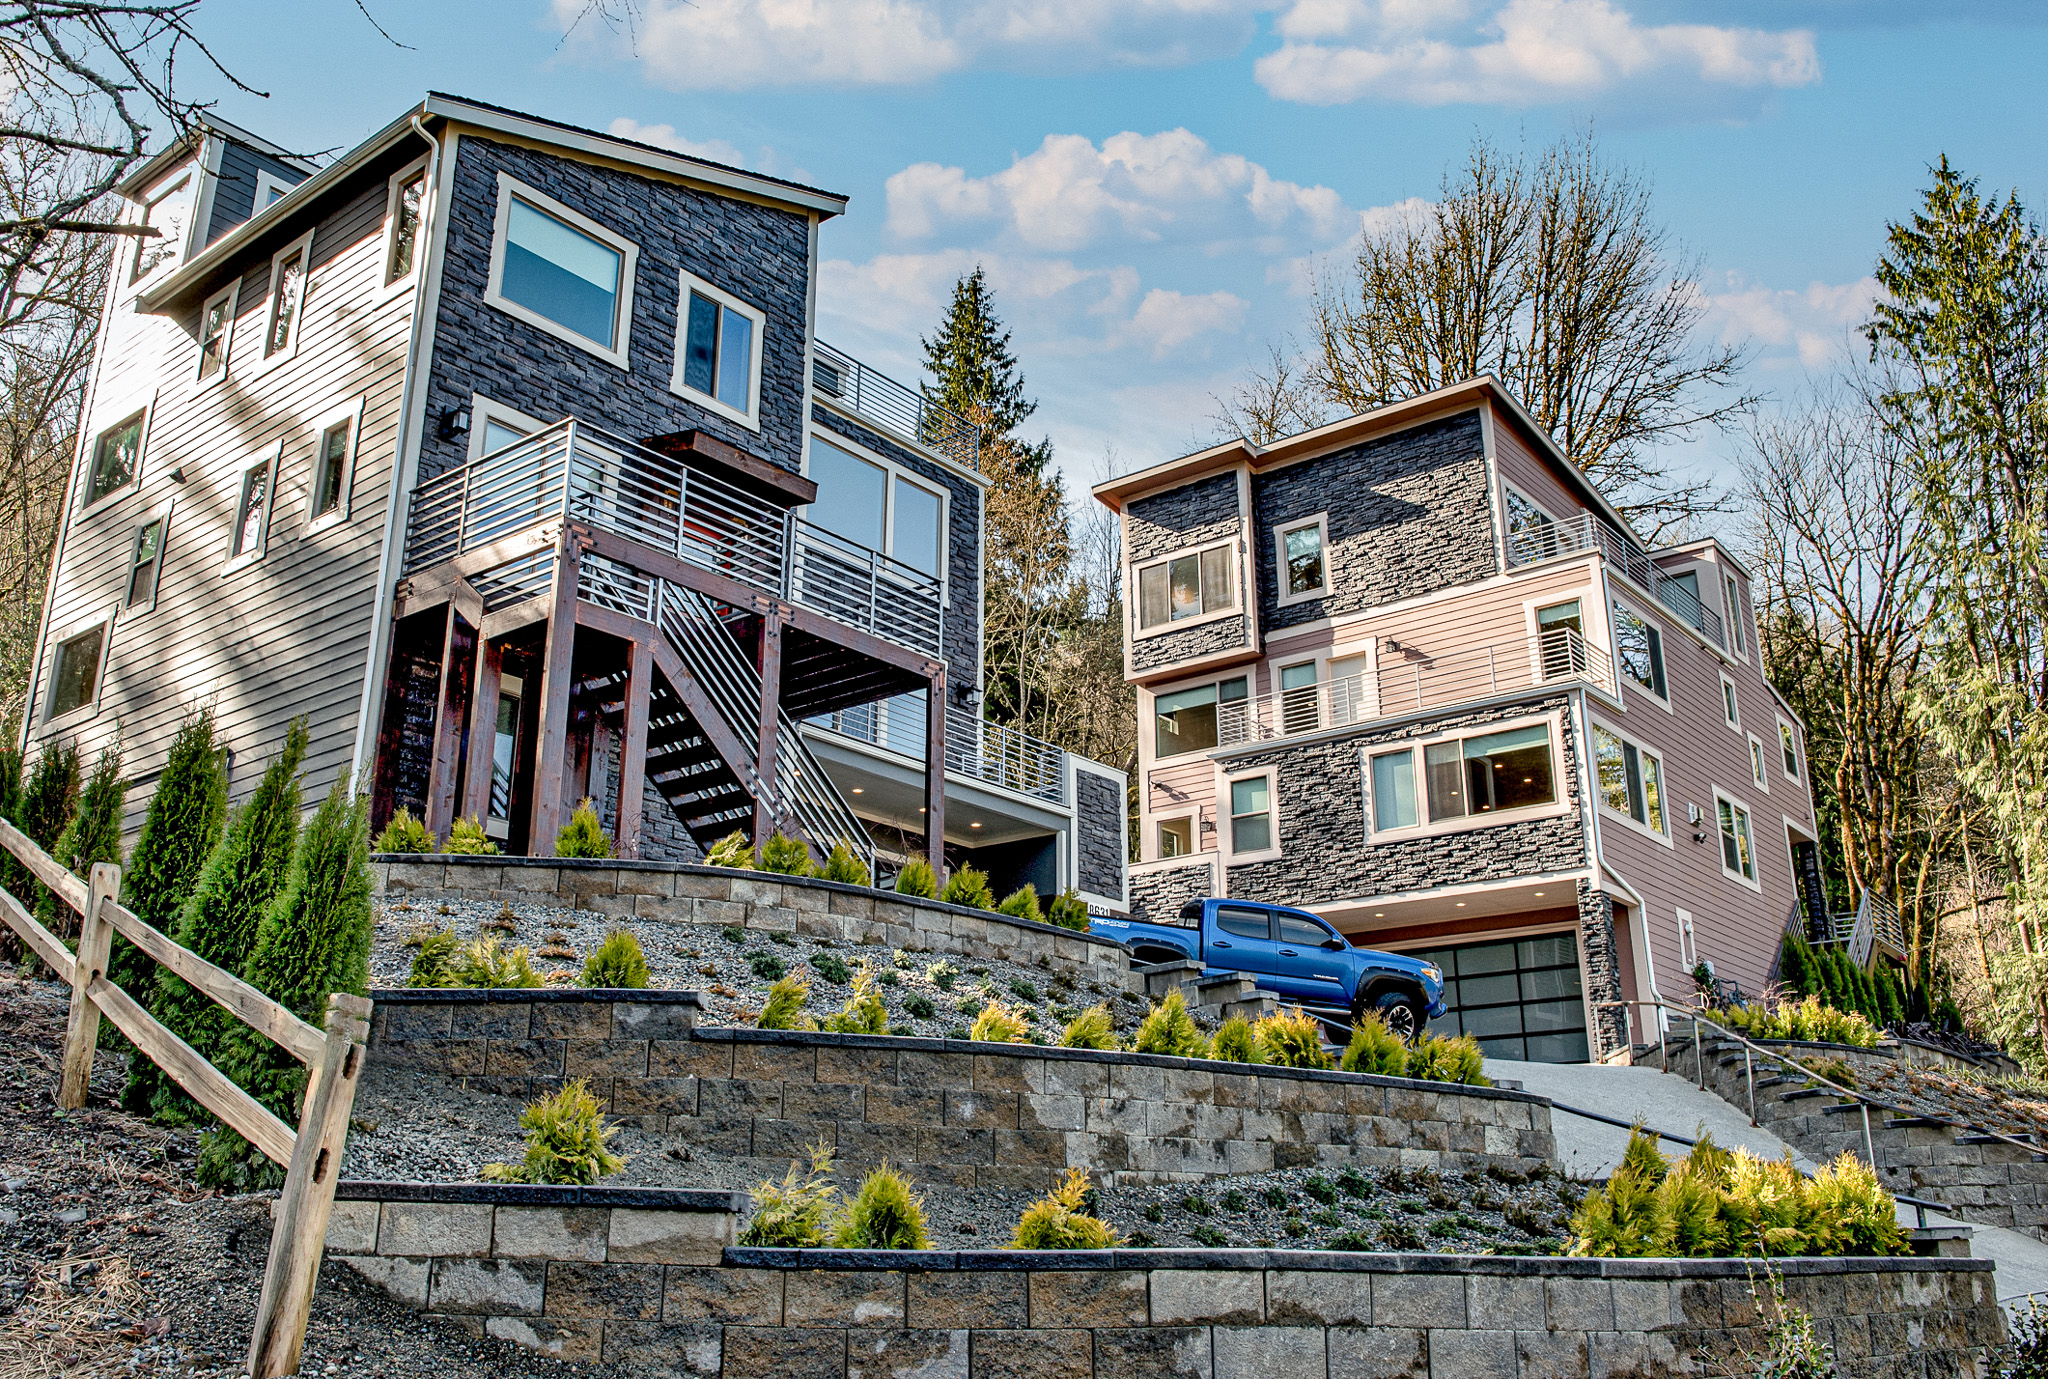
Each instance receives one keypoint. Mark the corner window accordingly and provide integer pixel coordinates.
(561, 271)
(1393, 791)
(168, 213)
(1188, 720)
(116, 456)
(408, 194)
(1757, 770)
(1304, 571)
(718, 354)
(332, 461)
(1185, 586)
(1738, 856)
(1789, 747)
(877, 507)
(1728, 709)
(216, 331)
(1731, 602)
(1631, 779)
(1251, 815)
(1639, 650)
(145, 564)
(287, 300)
(75, 671)
(1533, 534)
(1490, 773)
(252, 514)
(1176, 837)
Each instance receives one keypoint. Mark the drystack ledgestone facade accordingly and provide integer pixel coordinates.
(1099, 833)
(949, 1112)
(1598, 954)
(1158, 890)
(1217, 1314)
(682, 894)
(1192, 515)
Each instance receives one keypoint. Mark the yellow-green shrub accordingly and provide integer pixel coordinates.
(1291, 1039)
(1060, 1220)
(583, 835)
(1374, 1048)
(884, 1215)
(785, 1008)
(969, 886)
(1433, 1058)
(841, 865)
(617, 962)
(1810, 1020)
(1091, 1029)
(998, 1024)
(864, 1012)
(1022, 903)
(1235, 1042)
(468, 837)
(405, 833)
(1169, 1029)
(917, 878)
(484, 962)
(785, 855)
(733, 850)
(797, 1211)
(567, 1141)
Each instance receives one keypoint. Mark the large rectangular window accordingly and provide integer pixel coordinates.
(718, 356)
(1186, 586)
(1639, 650)
(1251, 815)
(115, 457)
(1561, 640)
(1491, 773)
(1393, 791)
(1738, 854)
(1631, 779)
(75, 671)
(877, 508)
(1299, 710)
(1186, 721)
(1532, 533)
(562, 272)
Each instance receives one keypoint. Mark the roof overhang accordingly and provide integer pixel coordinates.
(174, 152)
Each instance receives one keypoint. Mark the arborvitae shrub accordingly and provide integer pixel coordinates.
(433, 959)
(841, 865)
(468, 838)
(1235, 1042)
(969, 886)
(1433, 1058)
(405, 833)
(1069, 911)
(797, 1212)
(1795, 964)
(93, 833)
(567, 1141)
(732, 850)
(916, 878)
(1374, 1049)
(864, 1012)
(998, 1024)
(1291, 1039)
(1091, 1029)
(1022, 903)
(48, 797)
(785, 1008)
(884, 1215)
(220, 920)
(616, 962)
(1169, 1029)
(1060, 1220)
(784, 855)
(583, 835)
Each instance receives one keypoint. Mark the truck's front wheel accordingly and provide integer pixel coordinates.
(1402, 1014)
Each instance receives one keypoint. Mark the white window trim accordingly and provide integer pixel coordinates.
(1159, 822)
(622, 323)
(87, 504)
(266, 181)
(262, 546)
(690, 282)
(483, 409)
(1729, 698)
(91, 707)
(1431, 828)
(396, 284)
(232, 294)
(302, 250)
(125, 610)
(1372, 825)
(1622, 816)
(1321, 522)
(1625, 683)
(124, 271)
(1721, 853)
(1236, 608)
(1226, 830)
(1759, 763)
(352, 413)
(1148, 702)
(1786, 729)
(896, 471)
(1591, 633)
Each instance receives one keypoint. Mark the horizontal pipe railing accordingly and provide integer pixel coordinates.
(993, 753)
(904, 411)
(1585, 532)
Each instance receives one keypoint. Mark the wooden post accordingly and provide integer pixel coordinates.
(935, 772)
(457, 652)
(82, 1034)
(551, 760)
(766, 808)
(298, 1237)
(483, 730)
(633, 747)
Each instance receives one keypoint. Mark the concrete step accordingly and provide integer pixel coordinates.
(1805, 1092)
(1255, 1006)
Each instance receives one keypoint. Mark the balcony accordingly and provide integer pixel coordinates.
(1550, 540)
(904, 412)
(573, 471)
(975, 749)
(1408, 682)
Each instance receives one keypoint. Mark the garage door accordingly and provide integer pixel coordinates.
(1520, 998)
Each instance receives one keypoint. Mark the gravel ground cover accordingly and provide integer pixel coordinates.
(927, 994)
(2009, 1106)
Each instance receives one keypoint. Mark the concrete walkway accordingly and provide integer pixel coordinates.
(1668, 1102)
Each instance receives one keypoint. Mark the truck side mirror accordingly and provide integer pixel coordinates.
(1335, 944)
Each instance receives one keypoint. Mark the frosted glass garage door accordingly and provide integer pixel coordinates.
(1520, 998)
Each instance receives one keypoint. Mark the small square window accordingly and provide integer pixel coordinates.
(252, 514)
(1251, 815)
(1176, 837)
(718, 350)
(115, 457)
(147, 563)
(330, 470)
(75, 674)
(217, 331)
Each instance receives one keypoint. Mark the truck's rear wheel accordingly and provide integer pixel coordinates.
(1402, 1014)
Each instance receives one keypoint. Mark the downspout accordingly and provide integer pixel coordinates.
(371, 704)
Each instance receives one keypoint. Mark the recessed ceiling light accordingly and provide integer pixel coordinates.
(1379, 914)
(1538, 895)
(974, 825)
(1461, 904)
(858, 791)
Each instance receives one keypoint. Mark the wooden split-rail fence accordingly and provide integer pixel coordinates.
(334, 1060)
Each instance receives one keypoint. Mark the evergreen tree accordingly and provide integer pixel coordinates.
(974, 372)
(220, 921)
(47, 800)
(93, 833)
(181, 828)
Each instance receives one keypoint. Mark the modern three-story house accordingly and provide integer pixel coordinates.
(1412, 672)
(506, 454)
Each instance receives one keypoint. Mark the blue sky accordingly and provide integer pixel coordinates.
(1150, 182)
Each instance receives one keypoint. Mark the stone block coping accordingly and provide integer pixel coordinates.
(542, 1195)
(527, 995)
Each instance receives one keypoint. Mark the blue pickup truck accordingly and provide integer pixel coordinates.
(1293, 954)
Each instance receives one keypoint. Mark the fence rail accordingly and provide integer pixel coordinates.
(1585, 532)
(905, 411)
(311, 1155)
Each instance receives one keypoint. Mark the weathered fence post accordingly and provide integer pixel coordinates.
(298, 1237)
(82, 1034)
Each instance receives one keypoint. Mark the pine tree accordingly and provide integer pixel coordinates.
(973, 370)
(45, 807)
(93, 833)
(219, 922)
(181, 828)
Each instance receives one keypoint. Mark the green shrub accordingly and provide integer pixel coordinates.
(1235, 1042)
(45, 806)
(733, 851)
(864, 1012)
(883, 1215)
(1024, 991)
(434, 958)
(583, 835)
(831, 967)
(1060, 1220)
(1433, 1058)
(917, 878)
(733, 933)
(405, 833)
(842, 865)
(468, 838)
(1291, 1040)
(1091, 1029)
(766, 966)
(485, 962)
(969, 886)
(919, 1006)
(1069, 911)
(617, 962)
(785, 856)
(998, 1024)
(1022, 903)
(1811, 1020)
(942, 974)
(93, 833)
(567, 1141)
(796, 1212)
(785, 1008)
(1169, 1029)
(1374, 1048)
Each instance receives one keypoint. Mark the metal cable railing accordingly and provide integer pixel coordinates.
(904, 411)
(1585, 532)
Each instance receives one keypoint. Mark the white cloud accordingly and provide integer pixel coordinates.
(665, 136)
(1166, 320)
(1814, 324)
(1521, 53)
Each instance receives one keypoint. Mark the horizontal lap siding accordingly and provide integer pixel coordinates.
(288, 634)
(1532, 477)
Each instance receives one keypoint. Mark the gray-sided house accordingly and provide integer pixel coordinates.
(506, 454)
(1412, 672)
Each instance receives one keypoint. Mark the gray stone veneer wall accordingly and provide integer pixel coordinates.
(1190, 515)
(1158, 893)
(1205, 639)
(1099, 834)
(1607, 1023)
(1408, 514)
(678, 893)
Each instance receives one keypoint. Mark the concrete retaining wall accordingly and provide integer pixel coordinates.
(675, 893)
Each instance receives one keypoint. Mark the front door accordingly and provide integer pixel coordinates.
(1307, 971)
